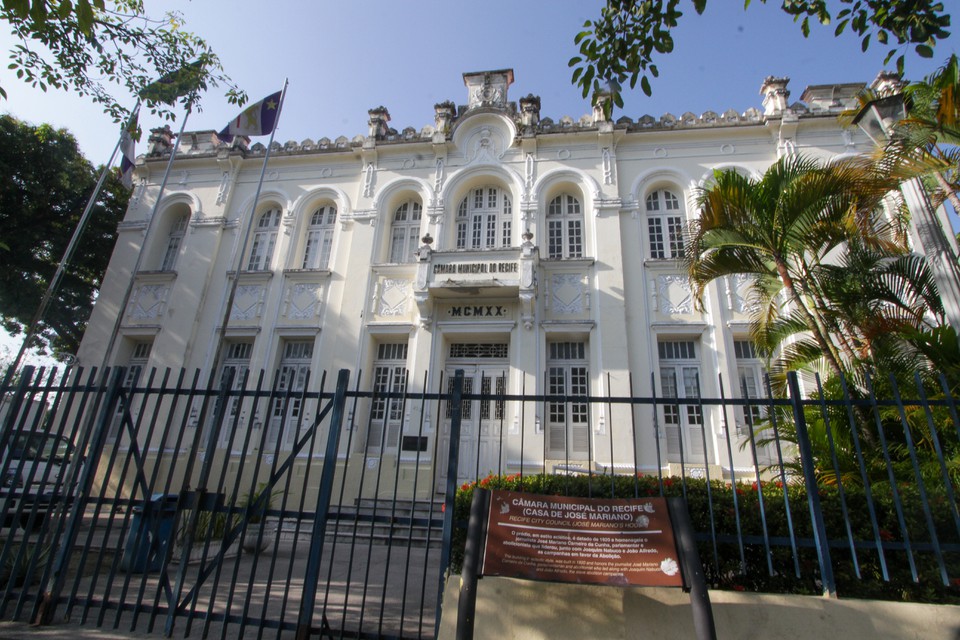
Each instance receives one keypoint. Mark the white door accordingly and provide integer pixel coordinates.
(481, 424)
(286, 410)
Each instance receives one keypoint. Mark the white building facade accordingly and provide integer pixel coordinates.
(540, 257)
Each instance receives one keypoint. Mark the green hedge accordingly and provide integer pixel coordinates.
(722, 562)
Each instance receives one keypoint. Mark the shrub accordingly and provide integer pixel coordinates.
(734, 532)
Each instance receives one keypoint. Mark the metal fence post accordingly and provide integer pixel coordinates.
(209, 453)
(16, 402)
(6, 429)
(54, 585)
(324, 496)
(810, 479)
(472, 564)
(455, 404)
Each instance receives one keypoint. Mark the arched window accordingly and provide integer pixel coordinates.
(264, 240)
(174, 240)
(664, 224)
(564, 227)
(319, 241)
(484, 219)
(405, 233)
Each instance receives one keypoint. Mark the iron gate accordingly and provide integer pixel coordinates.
(182, 517)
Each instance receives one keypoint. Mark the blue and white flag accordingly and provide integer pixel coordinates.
(258, 119)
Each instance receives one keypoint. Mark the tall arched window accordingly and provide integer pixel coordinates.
(174, 241)
(405, 232)
(484, 219)
(564, 227)
(664, 224)
(264, 240)
(319, 241)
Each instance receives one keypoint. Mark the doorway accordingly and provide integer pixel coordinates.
(485, 368)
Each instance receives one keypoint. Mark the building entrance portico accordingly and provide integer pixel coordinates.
(485, 372)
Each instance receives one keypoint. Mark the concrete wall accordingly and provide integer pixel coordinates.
(509, 609)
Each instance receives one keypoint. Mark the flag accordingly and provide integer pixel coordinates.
(184, 80)
(259, 119)
(127, 155)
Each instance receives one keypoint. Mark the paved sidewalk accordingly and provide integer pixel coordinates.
(364, 587)
(65, 631)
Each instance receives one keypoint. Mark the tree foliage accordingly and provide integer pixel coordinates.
(926, 141)
(45, 187)
(91, 46)
(833, 279)
(620, 46)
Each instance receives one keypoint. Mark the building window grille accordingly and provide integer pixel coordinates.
(493, 386)
(466, 406)
(497, 350)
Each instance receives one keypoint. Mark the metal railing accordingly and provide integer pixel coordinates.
(132, 506)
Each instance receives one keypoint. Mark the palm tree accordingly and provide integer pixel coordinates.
(782, 228)
(876, 302)
(932, 128)
(879, 300)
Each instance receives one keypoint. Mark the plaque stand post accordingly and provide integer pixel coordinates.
(472, 561)
(692, 570)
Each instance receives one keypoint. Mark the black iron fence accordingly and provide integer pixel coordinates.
(254, 508)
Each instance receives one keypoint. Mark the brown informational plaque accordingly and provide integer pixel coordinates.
(588, 541)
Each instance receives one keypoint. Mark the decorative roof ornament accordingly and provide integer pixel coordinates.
(379, 117)
(444, 114)
(488, 88)
(530, 110)
(887, 83)
(775, 95)
(160, 140)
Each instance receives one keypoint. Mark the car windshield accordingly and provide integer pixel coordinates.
(40, 446)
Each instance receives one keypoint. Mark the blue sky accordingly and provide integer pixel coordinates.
(343, 58)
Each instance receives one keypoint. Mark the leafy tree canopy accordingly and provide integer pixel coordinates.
(620, 45)
(45, 187)
(91, 46)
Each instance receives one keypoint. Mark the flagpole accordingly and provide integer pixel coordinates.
(72, 245)
(246, 232)
(143, 246)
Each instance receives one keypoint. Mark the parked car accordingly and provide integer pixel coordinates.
(33, 465)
